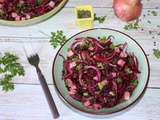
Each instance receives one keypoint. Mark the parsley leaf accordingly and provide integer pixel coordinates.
(133, 25)
(85, 94)
(134, 82)
(100, 19)
(57, 38)
(156, 53)
(39, 2)
(152, 13)
(112, 46)
(102, 38)
(9, 68)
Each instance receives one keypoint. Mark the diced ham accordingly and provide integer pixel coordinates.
(126, 95)
(73, 87)
(95, 78)
(14, 15)
(114, 74)
(28, 16)
(91, 48)
(23, 18)
(69, 82)
(51, 4)
(17, 18)
(72, 64)
(121, 62)
(97, 106)
(1, 6)
(117, 50)
(87, 103)
(70, 53)
(72, 92)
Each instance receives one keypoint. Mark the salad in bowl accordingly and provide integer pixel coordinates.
(100, 71)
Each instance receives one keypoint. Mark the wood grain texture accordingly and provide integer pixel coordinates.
(69, 27)
(28, 103)
(108, 3)
(47, 53)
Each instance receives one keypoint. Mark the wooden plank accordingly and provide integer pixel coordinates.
(47, 53)
(31, 76)
(69, 27)
(108, 3)
(27, 102)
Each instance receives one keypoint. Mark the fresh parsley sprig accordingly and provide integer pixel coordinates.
(9, 68)
(57, 38)
(100, 19)
(156, 53)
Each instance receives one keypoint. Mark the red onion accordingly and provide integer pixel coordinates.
(96, 69)
(127, 10)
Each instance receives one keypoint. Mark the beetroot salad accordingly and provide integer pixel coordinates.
(99, 73)
(16, 10)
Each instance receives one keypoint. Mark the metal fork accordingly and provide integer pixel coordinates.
(34, 60)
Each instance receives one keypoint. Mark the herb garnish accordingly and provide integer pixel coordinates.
(57, 38)
(156, 53)
(9, 68)
(39, 2)
(102, 39)
(100, 19)
(152, 13)
(134, 82)
(133, 25)
(85, 94)
(112, 46)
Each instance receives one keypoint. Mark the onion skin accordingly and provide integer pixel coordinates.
(127, 10)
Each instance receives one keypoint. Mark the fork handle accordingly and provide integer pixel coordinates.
(47, 92)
